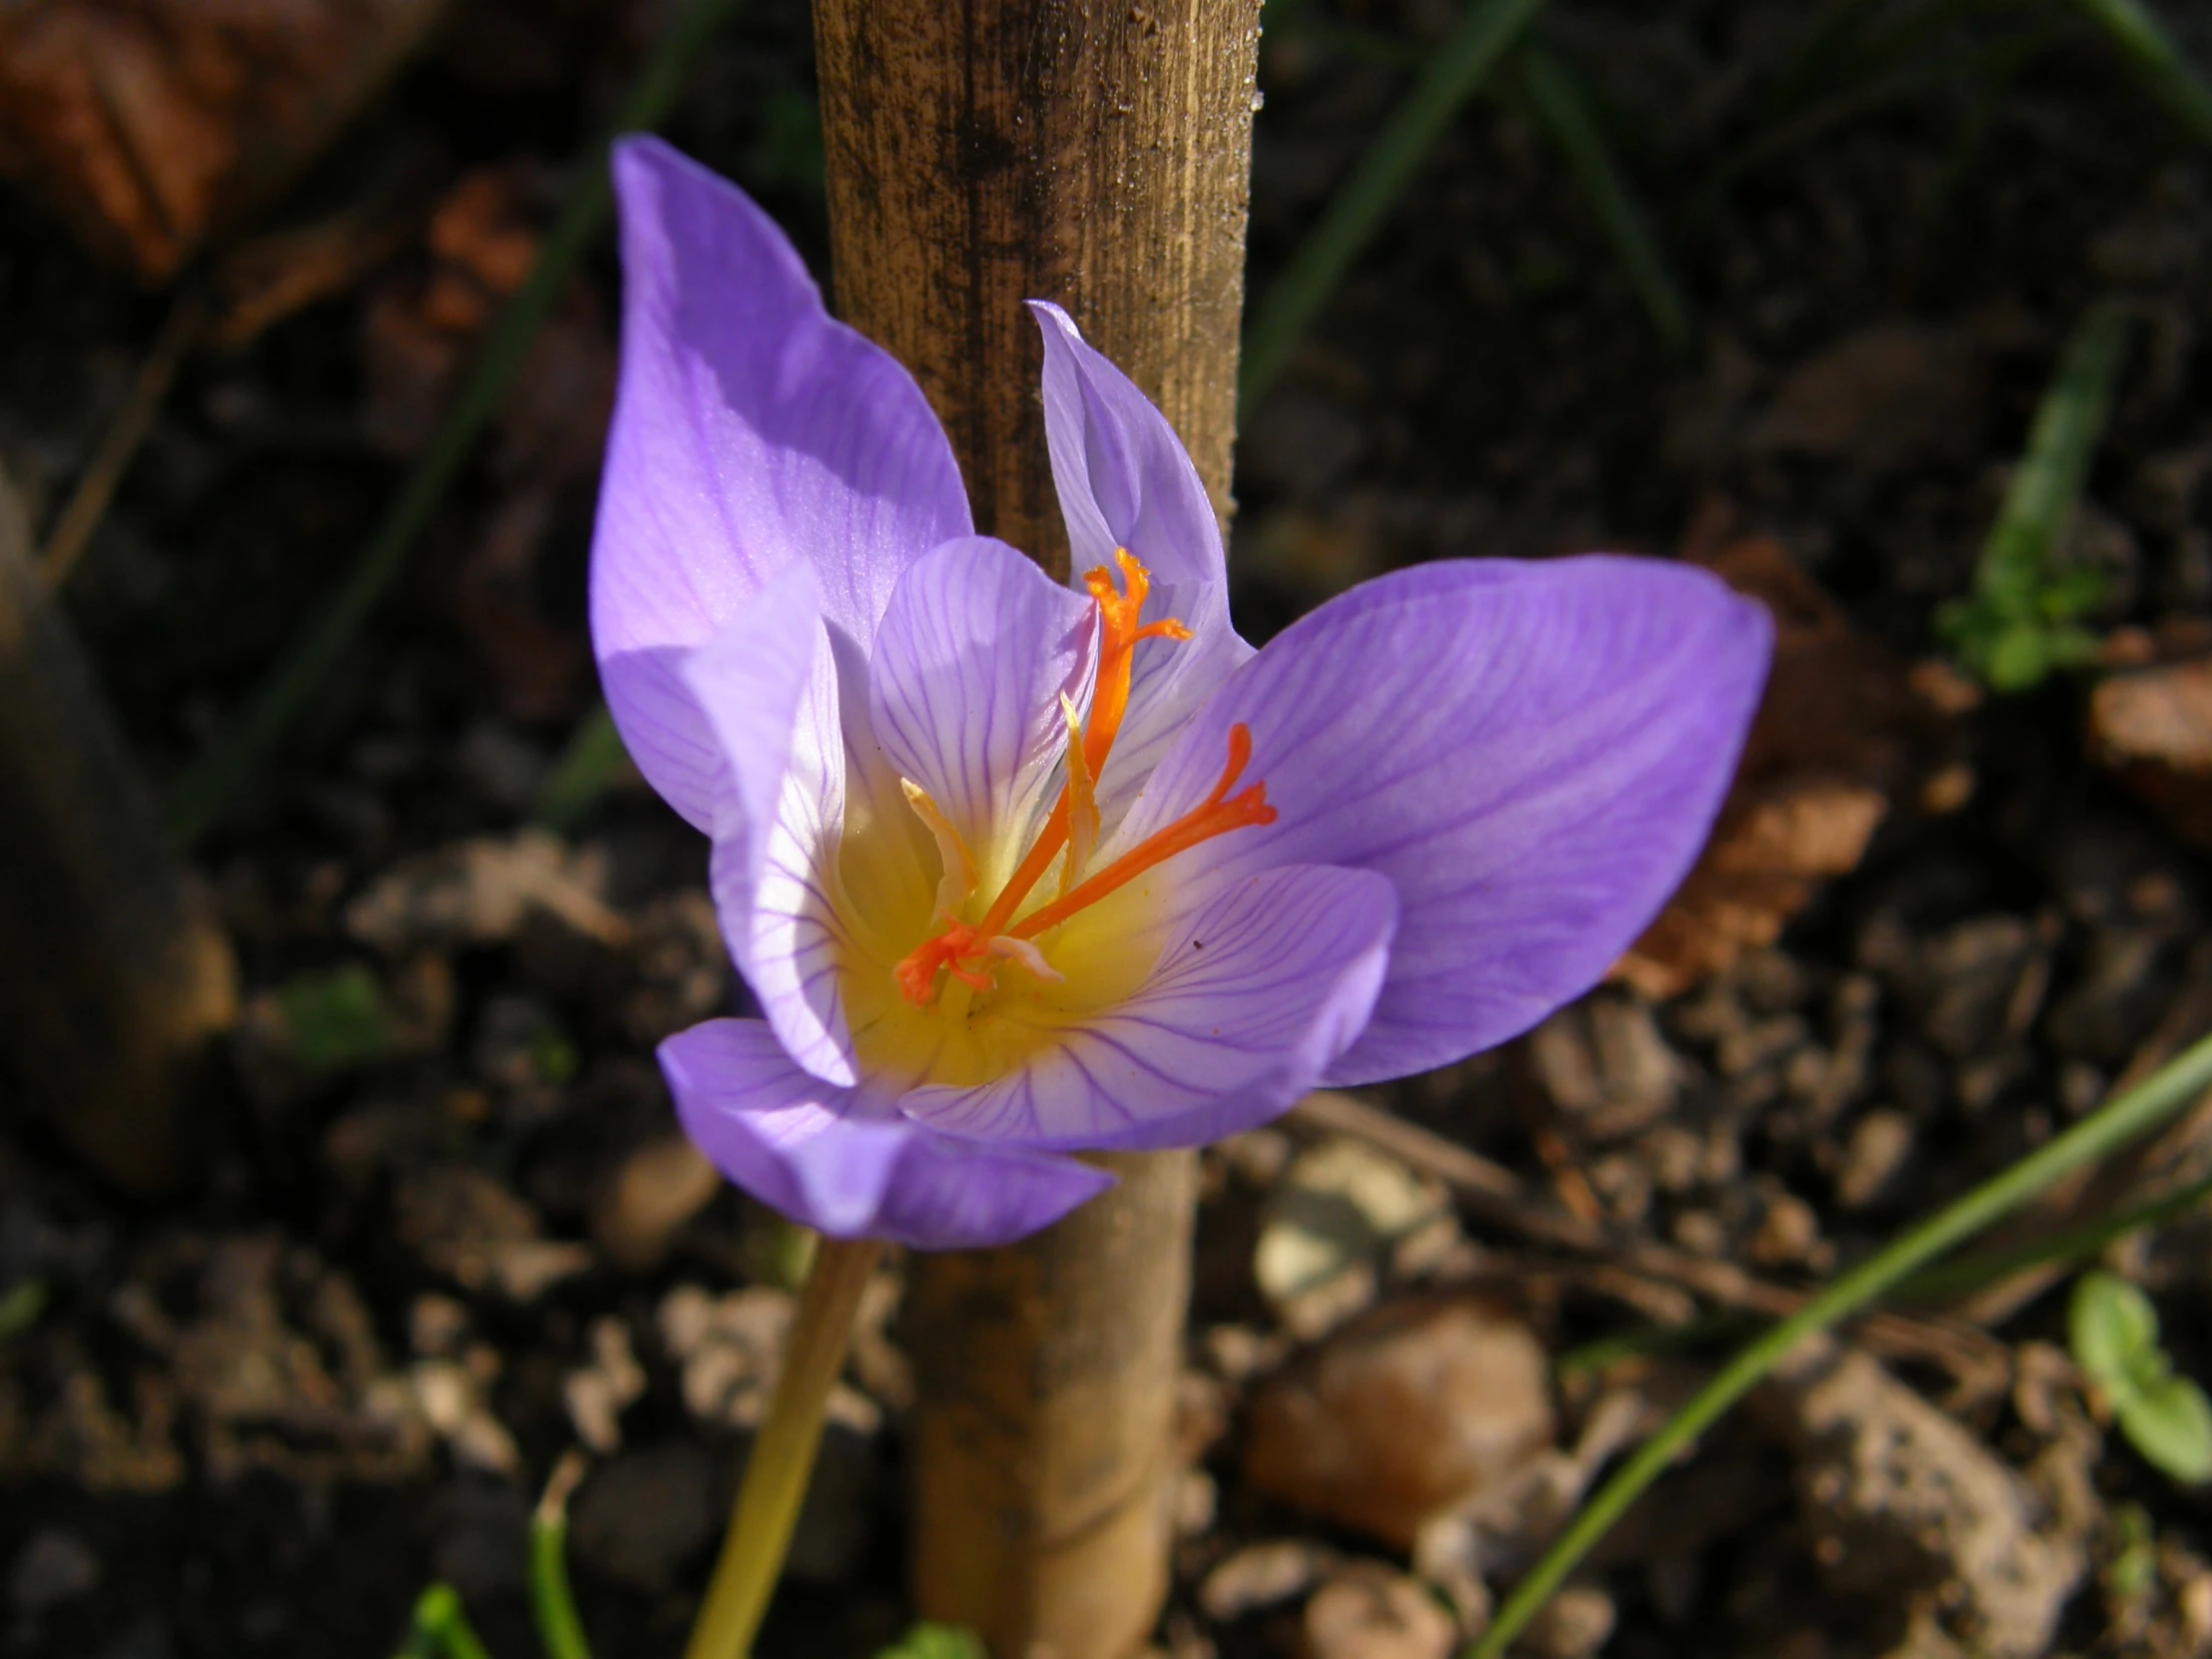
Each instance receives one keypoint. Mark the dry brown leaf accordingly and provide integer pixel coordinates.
(150, 125)
(1889, 395)
(1833, 740)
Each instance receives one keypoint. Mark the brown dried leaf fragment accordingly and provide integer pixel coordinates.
(1834, 739)
(152, 125)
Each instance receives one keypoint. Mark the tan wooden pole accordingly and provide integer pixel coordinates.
(112, 976)
(982, 153)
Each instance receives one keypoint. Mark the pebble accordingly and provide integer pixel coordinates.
(1260, 1576)
(1911, 1506)
(1341, 1212)
(1575, 1624)
(1370, 1612)
(1415, 1409)
(1878, 1146)
(54, 1567)
(660, 1187)
(597, 1394)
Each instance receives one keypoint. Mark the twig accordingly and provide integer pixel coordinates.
(2119, 1121)
(206, 791)
(1484, 32)
(187, 318)
(1496, 1195)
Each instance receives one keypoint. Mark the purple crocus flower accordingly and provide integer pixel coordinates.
(1015, 868)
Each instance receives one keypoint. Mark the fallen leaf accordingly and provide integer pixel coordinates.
(1887, 396)
(153, 125)
(1835, 734)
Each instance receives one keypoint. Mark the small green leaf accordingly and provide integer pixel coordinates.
(2016, 658)
(2170, 1423)
(2113, 1329)
(20, 1307)
(335, 1020)
(935, 1641)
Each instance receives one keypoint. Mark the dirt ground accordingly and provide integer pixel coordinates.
(444, 1232)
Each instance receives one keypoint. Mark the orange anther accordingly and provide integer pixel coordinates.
(965, 951)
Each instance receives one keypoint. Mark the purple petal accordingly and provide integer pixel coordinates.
(1264, 982)
(751, 432)
(1123, 477)
(769, 685)
(1533, 754)
(951, 1194)
(970, 663)
(1125, 482)
(803, 1148)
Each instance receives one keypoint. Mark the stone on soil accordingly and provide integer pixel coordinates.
(1412, 1410)
(1908, 1504)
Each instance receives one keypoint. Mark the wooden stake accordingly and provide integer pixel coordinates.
(112, 976)
(981, 154)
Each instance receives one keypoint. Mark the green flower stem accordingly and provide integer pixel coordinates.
(783, 1453)
(205, 791)
(2120, 1120)
(552, 1604)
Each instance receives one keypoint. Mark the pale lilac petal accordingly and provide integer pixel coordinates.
(779, 1130)
(1531, 753)
(801, 1146)
(1125, 480)
(1263, 981)
(972, 659)
(769, 685)
(1123, 477)
(751, 432)
(951, 1194)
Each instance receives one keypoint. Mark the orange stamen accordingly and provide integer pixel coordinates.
(957, 945)
(1217, 814)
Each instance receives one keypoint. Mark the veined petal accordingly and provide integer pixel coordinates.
(1264, 982)
(1531, 753)
(1122, 475)
(751, 432)
(806, 1149)
(1125, 480)
(974, 654)
(769, 685)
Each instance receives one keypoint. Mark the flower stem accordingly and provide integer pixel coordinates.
(2120, 1120)
(783, 1453)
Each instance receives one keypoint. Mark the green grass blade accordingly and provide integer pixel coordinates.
(2164, 70)
(2174, 1087)
(1557, 92)
(1484, 32)
(206, 791)
(552, 1603)
(440, 1629)
(591, 762)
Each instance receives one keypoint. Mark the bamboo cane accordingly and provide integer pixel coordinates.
(980, 154)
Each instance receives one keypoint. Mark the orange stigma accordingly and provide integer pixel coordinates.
(966, 951)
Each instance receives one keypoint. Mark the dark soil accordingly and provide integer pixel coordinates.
(257, 1418)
